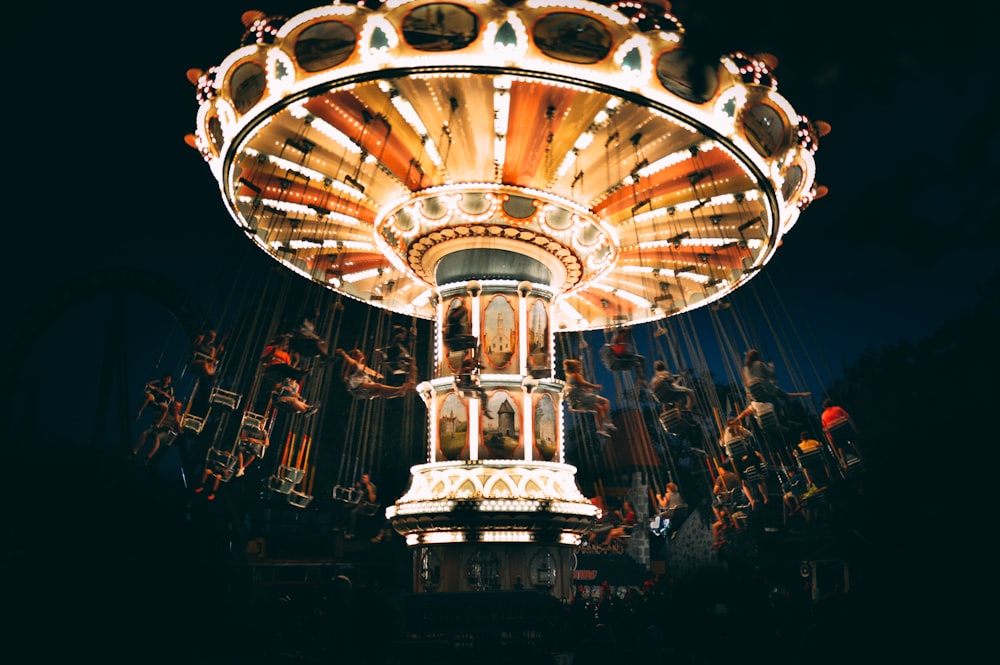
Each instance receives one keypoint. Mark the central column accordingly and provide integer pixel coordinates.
(495, 506)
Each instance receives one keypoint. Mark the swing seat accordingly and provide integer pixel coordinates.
(253, 421)
(223, 463)
(666, 394)
(814, 461)
(765, 414)
(854, 467)
(613, 361)
(225, 398)
(460, 342)
(299, 499)
(468, 385)
(672, 420)
(285, 371)
(370, 509)
(726, 498)
(759, 391)
(202, 363)
(291, 473)
(394, 364)
(741, 519)
(221, 458)
(346, 494)
(811, 457)
(280, 485)
(193, 423)
(737, 448)
(399, 368)
(256, 448)
(839, 430)
(466, 381)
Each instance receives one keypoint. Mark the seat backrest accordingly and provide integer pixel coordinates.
(612, 362)
(736, 448)
(346, 494)
(757, 390)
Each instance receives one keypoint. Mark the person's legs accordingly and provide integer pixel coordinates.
(215, 486)
(352, 521)
(146, 402)
(142, 442)
(606, 418)
(688, 396)
(599, 413)
(640, 370)
(718, 531)
(154, 448)
(204, 479)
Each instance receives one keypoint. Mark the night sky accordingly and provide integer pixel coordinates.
(103, 180)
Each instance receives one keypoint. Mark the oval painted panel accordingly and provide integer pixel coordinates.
(572, 37)
(793, 178)
(440, 27)
(682, 75)
(764, 128)
(324, 45)
(247, 84)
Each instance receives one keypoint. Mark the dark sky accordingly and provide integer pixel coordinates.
(100, 179)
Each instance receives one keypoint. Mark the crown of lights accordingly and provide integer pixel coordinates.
(359, 143)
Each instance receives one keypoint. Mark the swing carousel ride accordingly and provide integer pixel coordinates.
(511, 171)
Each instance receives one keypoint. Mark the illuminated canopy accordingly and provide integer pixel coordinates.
(379, 148)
